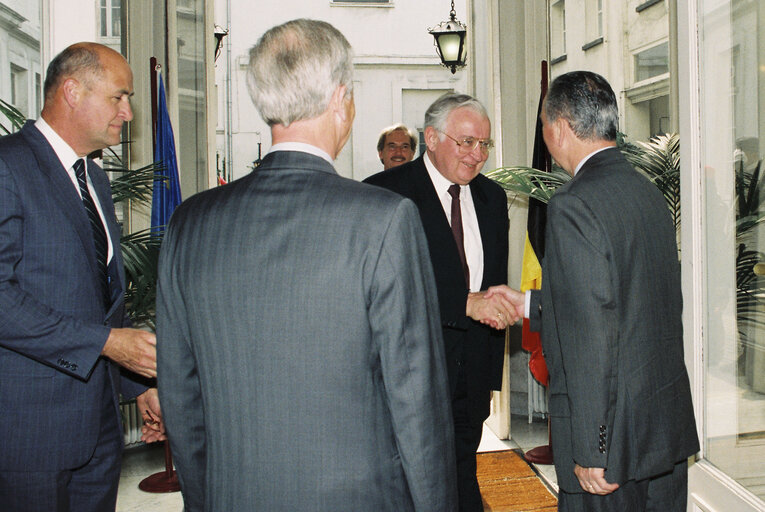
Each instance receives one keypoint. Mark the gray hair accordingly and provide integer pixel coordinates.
(439, 111)
(587, 102)
(397, 128)
(294, 69)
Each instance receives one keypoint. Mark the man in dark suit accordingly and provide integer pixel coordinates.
(62, 308)
(300, 359)
(446, 176)
(610, 313)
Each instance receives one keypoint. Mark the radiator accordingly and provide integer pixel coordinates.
(131, 423)
(537, 396)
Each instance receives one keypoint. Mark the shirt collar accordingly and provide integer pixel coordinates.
(303, 147)
(440, 183)
(584, 160)
(63, 151)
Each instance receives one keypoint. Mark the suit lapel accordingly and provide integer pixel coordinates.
(104, 194)
(70, 204)
(61, 188)
(436, 225)
(432, 212)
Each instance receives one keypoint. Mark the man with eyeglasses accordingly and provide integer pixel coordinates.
(465, 219)
(396, 145)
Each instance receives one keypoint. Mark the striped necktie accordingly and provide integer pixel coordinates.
(99, 233)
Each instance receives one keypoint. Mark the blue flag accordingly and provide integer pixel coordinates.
(166, 194)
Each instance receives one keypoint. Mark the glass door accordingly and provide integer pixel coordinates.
(724, 251)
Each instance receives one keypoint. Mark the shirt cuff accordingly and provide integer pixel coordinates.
(527, 304)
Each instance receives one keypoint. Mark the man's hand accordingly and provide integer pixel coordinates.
(153, 428)
(495, 311)
(514, 297)
(593, 480)
(133, 349)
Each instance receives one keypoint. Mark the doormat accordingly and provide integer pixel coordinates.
(509, 484)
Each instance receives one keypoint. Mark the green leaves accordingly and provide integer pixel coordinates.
(16, 118)
(659, 160)
(140, 254)
(530, 182)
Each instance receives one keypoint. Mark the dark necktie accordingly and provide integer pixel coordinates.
(99, 233)
(459, 235)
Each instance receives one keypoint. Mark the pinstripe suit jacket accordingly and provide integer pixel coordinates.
(53, 323)
(611, 327)
(300, 358)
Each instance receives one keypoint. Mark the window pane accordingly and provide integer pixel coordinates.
(20, 36)
(116, 21)
(191, 135)
(652, 62)
(104, 22)
(733, 120)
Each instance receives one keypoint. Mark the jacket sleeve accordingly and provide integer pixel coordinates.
(179, 388)
(405, 323)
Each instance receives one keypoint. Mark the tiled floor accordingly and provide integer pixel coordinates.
(138, 463)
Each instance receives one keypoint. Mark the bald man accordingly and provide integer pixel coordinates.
(65, 355)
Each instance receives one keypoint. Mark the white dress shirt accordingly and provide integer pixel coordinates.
(301, 146)
(472, 233)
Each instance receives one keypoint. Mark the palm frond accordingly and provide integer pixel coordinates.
(529, 182)
(659, 160)
(136, 184)
(140, 254)
(749, 200)
(14, 116)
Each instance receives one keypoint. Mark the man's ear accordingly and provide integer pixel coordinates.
(72, 91)
(561, 131)
(431, 138)
(337, 102)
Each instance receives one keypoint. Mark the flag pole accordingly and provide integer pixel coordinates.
(167, 480)
(535, 228)
(153, 69)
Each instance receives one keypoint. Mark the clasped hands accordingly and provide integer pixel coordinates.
(497, 307)
(136, 350)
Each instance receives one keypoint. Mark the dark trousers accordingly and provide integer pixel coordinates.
(663, 493)
(467, 437)
(90, 488)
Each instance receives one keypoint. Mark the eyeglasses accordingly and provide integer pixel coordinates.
(469, 144)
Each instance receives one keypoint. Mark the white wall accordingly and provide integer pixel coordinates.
(394, 58)
(65, 14)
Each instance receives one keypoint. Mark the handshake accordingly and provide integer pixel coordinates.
(498, 307)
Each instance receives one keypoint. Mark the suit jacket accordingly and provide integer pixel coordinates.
(53, 322)
(611, 327)
(467, 342)
(299, 357)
